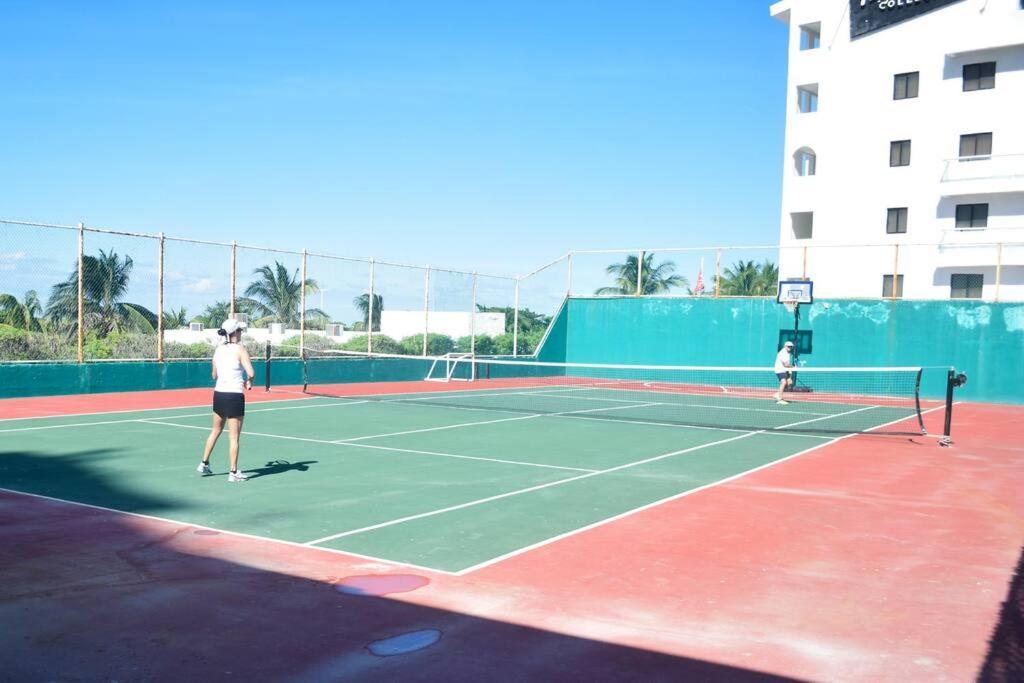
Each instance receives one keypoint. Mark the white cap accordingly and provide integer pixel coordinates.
(230, 326)
(789, 343)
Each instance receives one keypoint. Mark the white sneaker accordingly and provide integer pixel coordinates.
(204, 468)
(782, 402)
(238, 476)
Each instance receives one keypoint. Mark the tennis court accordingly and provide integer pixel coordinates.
(456, 476)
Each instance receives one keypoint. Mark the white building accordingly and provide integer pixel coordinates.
(904, 126)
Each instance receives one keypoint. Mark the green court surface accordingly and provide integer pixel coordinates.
(450, 485)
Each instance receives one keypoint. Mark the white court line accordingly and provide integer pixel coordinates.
(360, 445)
(532, 416)
(239, 534)
(560, 482)
(680, 425)
(627, 513)
(684, 405)
(304, 397)
(176, 417)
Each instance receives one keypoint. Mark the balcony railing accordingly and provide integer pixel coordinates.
(984, 167)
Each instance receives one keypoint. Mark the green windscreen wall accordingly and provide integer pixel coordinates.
(985, 340)
(52, 379)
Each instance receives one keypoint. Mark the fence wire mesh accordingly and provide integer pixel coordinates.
(133, 285)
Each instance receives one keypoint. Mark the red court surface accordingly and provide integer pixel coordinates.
(873, 558)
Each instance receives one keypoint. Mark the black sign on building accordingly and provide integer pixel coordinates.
(870, 15)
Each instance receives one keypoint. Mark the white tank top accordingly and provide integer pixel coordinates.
(229, 369)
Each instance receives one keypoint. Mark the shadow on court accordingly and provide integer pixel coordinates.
(87, 594)
(271, 468)
(280, 467)
(1005, 660)
(73, 476)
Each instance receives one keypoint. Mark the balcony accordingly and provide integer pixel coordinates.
(988, 174)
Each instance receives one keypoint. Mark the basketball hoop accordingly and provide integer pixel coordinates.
(794, 292)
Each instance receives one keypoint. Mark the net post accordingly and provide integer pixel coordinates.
(947, 427)
(640, 273)
(369, 314)
(472, 320)
(302, 306)
(234, 275)
(426, 309)
(917, 401)
(515, 321)
(81, 293)
(266, 366)
(160, 301)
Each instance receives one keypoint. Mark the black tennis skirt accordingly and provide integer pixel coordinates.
(228, 404)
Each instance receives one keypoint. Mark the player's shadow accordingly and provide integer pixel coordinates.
(280, 467)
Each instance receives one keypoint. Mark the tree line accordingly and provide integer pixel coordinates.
(116, 328)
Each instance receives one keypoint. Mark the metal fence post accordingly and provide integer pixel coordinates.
(640, 273)
(718, 272)
(81, 292)
(472, 320)
(302, 309)
(369, 314)
(426, 309)
(515, 322)
(160, 301)
(999, 268)
(805, 263)
(568, 291)
(234, 275)
(895, 271)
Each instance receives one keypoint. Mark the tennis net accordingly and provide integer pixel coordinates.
(826, 401)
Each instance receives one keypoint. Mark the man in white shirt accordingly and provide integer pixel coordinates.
(783, 363)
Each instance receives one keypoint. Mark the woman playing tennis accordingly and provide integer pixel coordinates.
(230, 359)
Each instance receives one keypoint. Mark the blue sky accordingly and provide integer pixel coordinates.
(484, 135)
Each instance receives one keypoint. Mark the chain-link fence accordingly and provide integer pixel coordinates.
(77, 293)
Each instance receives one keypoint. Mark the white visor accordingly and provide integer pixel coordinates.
(230, 326)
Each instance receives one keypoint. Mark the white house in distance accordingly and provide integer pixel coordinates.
(904, 126)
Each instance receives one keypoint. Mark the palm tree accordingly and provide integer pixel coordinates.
(105, 284)
(22, 314)
(362, 302)
(654, 279)
(769, 280)
(276, 296)
(175, 319)
(746, 278)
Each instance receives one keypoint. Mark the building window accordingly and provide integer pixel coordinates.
(979, 76)
(975, 145)
(899, 153)
(966, 285)
(806, 161)
(887, 287)
(803, 224)
(810, 36)
(807, 98)
(971, 216)
(896, 221)
(904, 86)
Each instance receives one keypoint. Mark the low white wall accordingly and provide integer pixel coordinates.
(455, 324)
(258, 334)
(394, 324)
